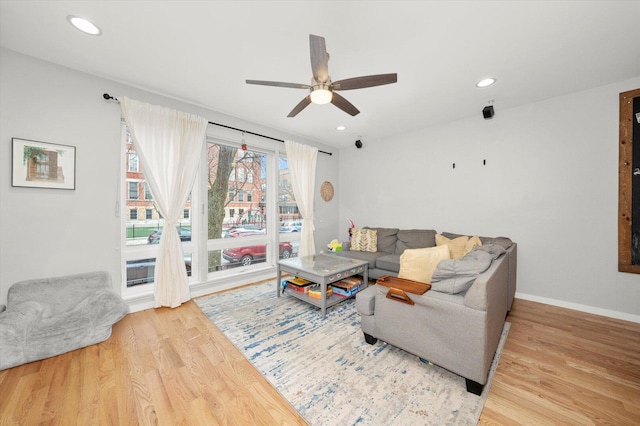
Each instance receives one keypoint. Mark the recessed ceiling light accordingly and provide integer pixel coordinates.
(341, 127)
(486, 82)
(84, 25)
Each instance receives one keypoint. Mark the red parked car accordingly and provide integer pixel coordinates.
(250, 254)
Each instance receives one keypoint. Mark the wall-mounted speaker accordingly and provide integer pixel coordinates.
(488, 112)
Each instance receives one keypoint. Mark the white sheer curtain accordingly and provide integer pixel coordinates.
(302, 165)
(169, 145)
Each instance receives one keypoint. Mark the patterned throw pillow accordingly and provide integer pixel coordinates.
(364, 240)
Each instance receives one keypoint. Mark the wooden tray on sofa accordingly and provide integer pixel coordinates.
(399, 287)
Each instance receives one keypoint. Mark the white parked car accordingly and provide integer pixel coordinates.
(291, 227)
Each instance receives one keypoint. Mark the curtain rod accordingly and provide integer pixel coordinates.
(109, 97)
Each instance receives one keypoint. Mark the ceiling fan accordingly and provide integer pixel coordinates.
(322, 90)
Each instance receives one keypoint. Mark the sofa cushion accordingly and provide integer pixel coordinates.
(389, 262)
(364, 240)
(504, 242)
(387, 238)
(458, 246)
(495, 250)
(457, 275)
(419, 264)
(367, 256)
(415, 238)
(366, 300)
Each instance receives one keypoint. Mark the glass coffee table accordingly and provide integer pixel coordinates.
(322, 269)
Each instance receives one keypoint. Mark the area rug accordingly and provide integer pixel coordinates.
(326, 370)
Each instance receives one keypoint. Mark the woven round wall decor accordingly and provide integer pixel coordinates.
(326, 191)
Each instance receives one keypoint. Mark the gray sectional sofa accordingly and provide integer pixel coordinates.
(458, 323)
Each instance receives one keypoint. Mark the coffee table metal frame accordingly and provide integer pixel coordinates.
(322, 269)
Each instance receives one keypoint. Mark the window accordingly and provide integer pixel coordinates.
(237, 191)
(133, 162)
(147, 192)
(288, 207)
(242, 221)
(43, 165)
(142, 271)
(143, 224)
(133, 190)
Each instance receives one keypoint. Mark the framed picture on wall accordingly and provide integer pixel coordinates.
(42, 165)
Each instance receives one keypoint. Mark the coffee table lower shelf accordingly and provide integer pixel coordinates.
(331, 300)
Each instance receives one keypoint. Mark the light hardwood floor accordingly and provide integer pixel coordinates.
(174, 367)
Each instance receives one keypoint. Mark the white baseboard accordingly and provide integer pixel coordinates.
(582, 308)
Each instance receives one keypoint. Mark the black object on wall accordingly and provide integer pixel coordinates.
(488, 112)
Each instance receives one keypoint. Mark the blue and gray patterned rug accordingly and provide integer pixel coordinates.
(326, 370)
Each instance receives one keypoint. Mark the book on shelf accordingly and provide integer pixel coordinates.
(299, 284)
(316, 293)
(299, 281)
(348, 283)
(353, 280)
(299, 288)
(345, 293)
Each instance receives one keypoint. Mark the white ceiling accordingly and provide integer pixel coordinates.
(202, 52)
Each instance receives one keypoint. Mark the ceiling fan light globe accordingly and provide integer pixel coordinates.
(321, 96)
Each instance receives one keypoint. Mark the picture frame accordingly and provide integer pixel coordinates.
(36, 164)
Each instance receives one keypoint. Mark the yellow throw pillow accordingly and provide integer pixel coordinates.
(456, 246)
(472, 243)
(460, 246)
(364, 240)
(419, 264)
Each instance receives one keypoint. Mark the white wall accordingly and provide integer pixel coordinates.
(550, 183)
(47, 233)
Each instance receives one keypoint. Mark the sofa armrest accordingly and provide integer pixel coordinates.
(489, 291)
(15, 326)
(58, 294)
(366, 300)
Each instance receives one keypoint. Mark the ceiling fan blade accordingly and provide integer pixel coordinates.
(366, 81)
(302, 105)
(319, 58)
(279, 84)
(344, 104)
